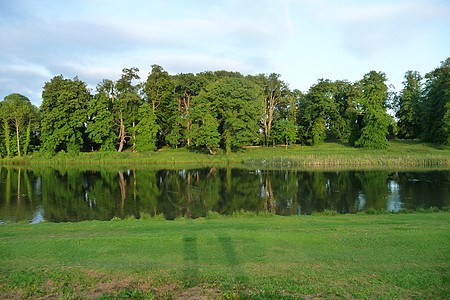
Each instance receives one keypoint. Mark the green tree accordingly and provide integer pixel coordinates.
(339, 124)
(285, 130)
(186, 86)
(18, 111)
(205, 129)
(285, 127)
(5, 137)
(100, 125)
(126, 103)
(318, 106)
(373, 128)
(275, 92)
(158, 90)
(147, 129)
(409, 106)
(239, 108)
(64, 114)
(436, 105)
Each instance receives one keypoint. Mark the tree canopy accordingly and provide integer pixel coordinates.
(214, 110)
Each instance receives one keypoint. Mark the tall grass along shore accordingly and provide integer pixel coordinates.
(327, 154)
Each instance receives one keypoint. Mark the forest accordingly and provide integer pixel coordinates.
(225, 110)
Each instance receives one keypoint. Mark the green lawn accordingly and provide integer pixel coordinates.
(400, 152)
(349, 256)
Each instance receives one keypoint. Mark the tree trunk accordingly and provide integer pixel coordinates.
(18, 139)
(187, 104)
(27, 139)
(7, 138)
(121, 133)
(212, 152)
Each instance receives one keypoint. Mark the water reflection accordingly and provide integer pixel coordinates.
(34, 194)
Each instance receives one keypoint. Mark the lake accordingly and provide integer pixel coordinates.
(71, 194)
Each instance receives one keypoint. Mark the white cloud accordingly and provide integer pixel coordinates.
(371, 29)
(95, 39)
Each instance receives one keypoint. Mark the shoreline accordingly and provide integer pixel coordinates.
(401, 153)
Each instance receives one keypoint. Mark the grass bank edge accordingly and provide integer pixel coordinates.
(400, 153)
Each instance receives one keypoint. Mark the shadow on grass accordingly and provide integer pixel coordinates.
(232, 259)
(191, 273)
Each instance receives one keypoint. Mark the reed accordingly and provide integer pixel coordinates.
(400, 153)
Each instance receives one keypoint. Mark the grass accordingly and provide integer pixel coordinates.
(340, 256)
(400, 152)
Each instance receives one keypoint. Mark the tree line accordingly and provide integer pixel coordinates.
(222, 109)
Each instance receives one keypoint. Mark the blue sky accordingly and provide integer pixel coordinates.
(303, 40)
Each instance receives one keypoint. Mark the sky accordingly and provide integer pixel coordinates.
(303, 40)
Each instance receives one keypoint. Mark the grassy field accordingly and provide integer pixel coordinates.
(327, 154)
(345, 256)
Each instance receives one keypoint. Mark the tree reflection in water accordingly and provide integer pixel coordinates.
(101, 193)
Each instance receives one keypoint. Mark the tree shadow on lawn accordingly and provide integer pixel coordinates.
(191, 273)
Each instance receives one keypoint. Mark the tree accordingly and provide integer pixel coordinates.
(6, 135)
(205, 128)
(100, 124)
(158, 87)
(339, 126)
(64, 114)
(147, 129)
(373, 128)
(285, 127)
(238, 106)
(18, 111)
(31, 135)
(274, 93)
(186, 86)
(409, 106)
(317, 108)
(286, 131)
(127, 101)
(436, 105)
(158, 90)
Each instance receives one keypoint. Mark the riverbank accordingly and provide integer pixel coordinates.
(400, 153)
(350, 256)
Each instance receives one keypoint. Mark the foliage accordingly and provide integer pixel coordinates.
(146, 129)
(205, 132)
(373, 127)
(409, 102)
(186, 88)
(100, 124)
(236, 101)
(436, 105)
(275, 92)
(17, 112)
(126, 105)
(64, 114)
(223, 109)
(285, 131)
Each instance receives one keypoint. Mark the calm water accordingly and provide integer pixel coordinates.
(34, 194)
